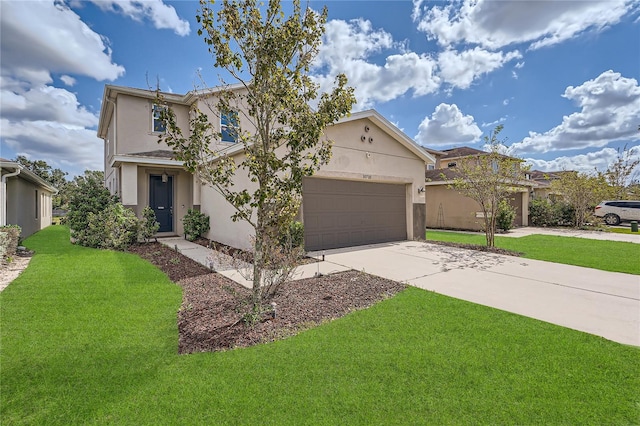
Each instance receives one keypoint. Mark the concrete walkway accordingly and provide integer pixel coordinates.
(239, 271)
(603, 303)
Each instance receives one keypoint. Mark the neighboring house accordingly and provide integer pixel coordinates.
(544, 189)
(371, 191)
(25, 198)
(447, 208)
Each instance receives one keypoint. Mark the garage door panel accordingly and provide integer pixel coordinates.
(347, 213)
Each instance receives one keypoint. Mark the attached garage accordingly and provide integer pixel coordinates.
(343, 213)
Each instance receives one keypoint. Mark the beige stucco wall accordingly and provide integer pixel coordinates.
(447, 208)
(134, 124)
(21, 206)
(382, 160)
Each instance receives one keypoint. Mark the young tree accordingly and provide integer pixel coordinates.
(581, 191)
(488, 179)
(270, 56)
(623, 172)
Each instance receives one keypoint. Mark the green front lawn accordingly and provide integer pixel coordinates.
(611, 256)
(90, 337)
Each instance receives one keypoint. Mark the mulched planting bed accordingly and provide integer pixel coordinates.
(210, 318)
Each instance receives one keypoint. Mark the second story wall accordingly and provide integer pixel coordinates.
(134, 118)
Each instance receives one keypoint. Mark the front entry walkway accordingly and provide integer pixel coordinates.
(603, 303)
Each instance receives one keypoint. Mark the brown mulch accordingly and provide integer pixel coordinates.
(211, 315)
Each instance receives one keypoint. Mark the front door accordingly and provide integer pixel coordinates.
(161, 201)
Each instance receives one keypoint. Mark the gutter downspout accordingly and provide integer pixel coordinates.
(3, 196)
(115, 139)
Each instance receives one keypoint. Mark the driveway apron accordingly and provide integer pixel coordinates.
(603, 303)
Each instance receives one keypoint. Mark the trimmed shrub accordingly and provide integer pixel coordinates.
(506, 215)
(543, 212)
(9, 239)
(116, 228)
(195, 224)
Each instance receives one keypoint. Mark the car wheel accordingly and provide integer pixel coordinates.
(612, 219)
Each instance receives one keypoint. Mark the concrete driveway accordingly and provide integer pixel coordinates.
(603, 303)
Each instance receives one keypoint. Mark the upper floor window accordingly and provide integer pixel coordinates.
(431, 166)
(229, 126)
(157, 123)
(451, 164)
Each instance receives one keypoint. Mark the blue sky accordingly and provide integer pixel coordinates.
(561, 76)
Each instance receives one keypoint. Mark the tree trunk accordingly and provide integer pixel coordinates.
(258, 264)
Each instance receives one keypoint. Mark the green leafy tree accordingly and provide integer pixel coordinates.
(623, 172)
(488, 179)
(87, 194)
(55, 177)
(582, 192)
(269, 55)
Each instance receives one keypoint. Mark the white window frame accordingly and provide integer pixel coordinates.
(224, 128)
(155, 116)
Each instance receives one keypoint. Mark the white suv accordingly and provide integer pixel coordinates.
(615, 212)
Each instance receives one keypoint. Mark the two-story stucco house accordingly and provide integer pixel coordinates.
(448, 209)
(371, 191)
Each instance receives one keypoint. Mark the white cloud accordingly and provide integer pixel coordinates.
(447, 125)
(494, 123)
(162, 15)
(346, 48)
(460, 69)
(42, 103)
(70, 148)
(43, 37)
(38, 39)
(495, 24)
(586, 163)
(610, 111)
(68, 80)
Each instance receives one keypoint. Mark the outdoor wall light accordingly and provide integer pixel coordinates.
(420, 189)
(165, 177)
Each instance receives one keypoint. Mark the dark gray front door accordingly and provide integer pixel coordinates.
(161, 201)
(340, 213)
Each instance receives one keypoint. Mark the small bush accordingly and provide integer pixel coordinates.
(543, 212)
(506, 215)
(116, 228)
(293, 237)
(9, 239)
(195, 224)
(148, 225)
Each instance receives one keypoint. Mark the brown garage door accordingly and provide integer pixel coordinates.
(339, 213)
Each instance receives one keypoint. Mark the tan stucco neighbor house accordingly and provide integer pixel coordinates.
(25, 198)
(371, 191)
(448, 209)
